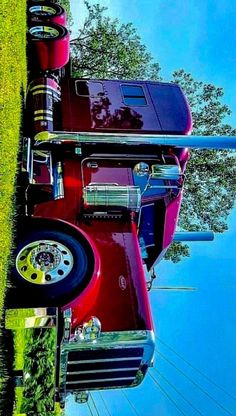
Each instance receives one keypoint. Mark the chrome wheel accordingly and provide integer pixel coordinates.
(44, 262)
(43, 31)
(43, 11)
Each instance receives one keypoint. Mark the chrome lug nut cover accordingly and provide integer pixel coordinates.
(44, 262)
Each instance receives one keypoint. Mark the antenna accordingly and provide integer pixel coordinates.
(153, 276)
(179, 288)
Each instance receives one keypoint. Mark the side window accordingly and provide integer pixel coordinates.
(133, 95)
(89, 88)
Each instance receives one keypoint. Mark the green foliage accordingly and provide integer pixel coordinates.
(176, 251)
(66, 5)
(205, 101)
(39, 373)
(210, 186)
(105, 48)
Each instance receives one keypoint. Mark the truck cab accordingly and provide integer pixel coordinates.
(101, 199)
(97, 214)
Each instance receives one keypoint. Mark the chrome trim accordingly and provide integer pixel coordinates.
(47, 161)
(46, 88)
(109, 370)
(43, 111)
(42, 91)
(44, 262)
(41, 9)
(43, 31)
(161, 187)
(205, 142)
(96, 195)
(58, 183)
(171, 172)
(114, 339)
(99, 380)
(105, 360)
(67, 314)
(107, 340)
(142, 207)
(120, 156)
(27, 143)
(43, 117)
(81, 396)
(31, 318)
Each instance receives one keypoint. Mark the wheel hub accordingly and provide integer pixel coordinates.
(44, 32)
(44, 262)
(42, 10)
(45, 257)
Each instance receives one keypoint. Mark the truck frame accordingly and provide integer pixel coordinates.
(102, 174)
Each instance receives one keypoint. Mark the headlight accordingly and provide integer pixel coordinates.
(89, 331)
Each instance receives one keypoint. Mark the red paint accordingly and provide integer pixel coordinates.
(43, 94)
(117, 293)
(166, 109)
(115, 244)
(171, 219)
(117, 308)
(130, 221)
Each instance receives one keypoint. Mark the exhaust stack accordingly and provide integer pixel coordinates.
(193, 236)
(193, 142)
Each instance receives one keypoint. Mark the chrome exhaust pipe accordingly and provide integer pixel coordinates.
(193, 142)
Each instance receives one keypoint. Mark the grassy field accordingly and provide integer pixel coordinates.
(12, 84)
(13, 74)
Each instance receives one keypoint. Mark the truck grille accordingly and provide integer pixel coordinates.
(94, 369)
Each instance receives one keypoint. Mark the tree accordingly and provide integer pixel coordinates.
(105, 48)
(66, 5)
(210, 186)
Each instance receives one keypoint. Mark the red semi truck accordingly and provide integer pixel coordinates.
(102, 173)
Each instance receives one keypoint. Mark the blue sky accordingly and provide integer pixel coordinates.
(199, 36)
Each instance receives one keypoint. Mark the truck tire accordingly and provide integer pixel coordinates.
(46, 31)
(49, 267)
(46, 11)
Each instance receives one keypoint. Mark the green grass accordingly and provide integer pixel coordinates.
(19, 346)
(19, 399)
(12, 83)
(14, 320)
(34, 354)
(13, 74)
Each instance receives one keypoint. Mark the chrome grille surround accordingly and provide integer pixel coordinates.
(116, 360)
